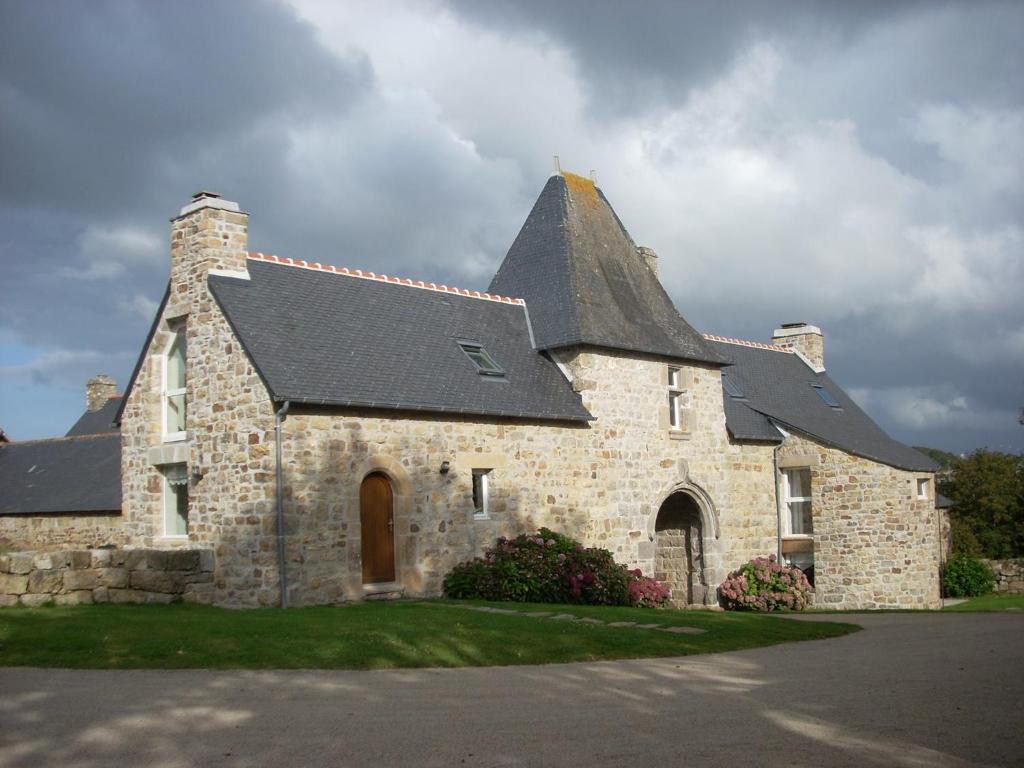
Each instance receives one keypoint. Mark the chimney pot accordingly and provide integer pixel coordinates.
(807, 340)
(98, 390)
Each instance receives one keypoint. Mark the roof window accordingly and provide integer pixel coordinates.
(484, 363)
(827, 396)
(732, 388)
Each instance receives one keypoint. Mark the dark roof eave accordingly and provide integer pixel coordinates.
(852, 451)
(60, 511)
(394, 406)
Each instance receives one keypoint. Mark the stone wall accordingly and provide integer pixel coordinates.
(62, 531)
(876, 544)
(75, 577)
(1009, 575)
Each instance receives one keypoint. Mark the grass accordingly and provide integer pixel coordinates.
(991, 602)
(366, 636)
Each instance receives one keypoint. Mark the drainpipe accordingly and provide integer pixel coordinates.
(279, 418)
(778, 504)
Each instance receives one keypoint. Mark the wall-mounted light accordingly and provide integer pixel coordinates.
(445, 466)
(197, 475)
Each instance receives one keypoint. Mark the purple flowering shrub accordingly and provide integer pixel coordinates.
(765, 585)
(548, 567)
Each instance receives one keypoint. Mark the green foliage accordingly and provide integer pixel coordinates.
(548, 567)
(944, 459)
(966, 576)
(987, 488)
(765, 585)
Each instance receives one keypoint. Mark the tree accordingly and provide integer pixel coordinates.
(987, 488)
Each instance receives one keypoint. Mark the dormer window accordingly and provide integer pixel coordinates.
(173, 386)
(484, 363)
(827, 397)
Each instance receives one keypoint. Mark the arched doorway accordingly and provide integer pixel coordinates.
(377, 524)
(679, 549)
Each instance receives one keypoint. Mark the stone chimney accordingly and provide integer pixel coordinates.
(806, 340)
(210, 234)
(648, 255)
(98, 390)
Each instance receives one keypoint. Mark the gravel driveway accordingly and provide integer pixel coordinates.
(910, 690)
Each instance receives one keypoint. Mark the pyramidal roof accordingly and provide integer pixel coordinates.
(585, 283)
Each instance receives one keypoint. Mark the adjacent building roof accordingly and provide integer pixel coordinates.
(584, 282)
(331, 337)
(69, 474)
(778, 386)
(98, 422)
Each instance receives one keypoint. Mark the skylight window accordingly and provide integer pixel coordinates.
(484, 363)
(732, 388)
(827, 396)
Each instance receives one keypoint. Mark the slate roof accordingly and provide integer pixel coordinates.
(777, 385)
(579, 272)
(337, 339)
(68, 474)
(98, 422)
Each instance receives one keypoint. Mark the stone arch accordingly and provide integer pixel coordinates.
(685, 532)
(407, 573)
(708, 512)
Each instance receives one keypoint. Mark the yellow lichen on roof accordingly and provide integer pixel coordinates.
(581, 189)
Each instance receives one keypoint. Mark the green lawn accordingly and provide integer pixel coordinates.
(991, 602)
(366, 636)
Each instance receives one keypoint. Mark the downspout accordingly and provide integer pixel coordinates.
(778, 504)
(279, 418)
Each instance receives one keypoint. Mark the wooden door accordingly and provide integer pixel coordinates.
(377, 519)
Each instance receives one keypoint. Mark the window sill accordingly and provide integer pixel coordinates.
(679, 434)
(174, 539)
(176, 437)
(481, 516)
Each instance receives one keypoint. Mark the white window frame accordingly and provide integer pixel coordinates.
(170, 499)
(923, 487)
(676, 422)
(787, 518)
(167, 392)
(482, 498)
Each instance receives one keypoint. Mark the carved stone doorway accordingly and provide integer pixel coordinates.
(679, 550)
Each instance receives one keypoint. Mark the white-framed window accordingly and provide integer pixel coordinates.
(677, 399)
(175, 501)
(796, 494)
(173, 404)
(922, 487)
(481, 493)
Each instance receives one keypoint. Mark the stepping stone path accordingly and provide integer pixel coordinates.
(582, 619)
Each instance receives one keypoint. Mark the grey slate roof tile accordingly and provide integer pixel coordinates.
(332, 339)
(578, 270)
(777, 385)
(69, 474)
(98, 422)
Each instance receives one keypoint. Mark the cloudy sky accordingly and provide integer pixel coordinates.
(855, 165)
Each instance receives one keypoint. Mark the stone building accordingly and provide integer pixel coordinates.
(332, 434)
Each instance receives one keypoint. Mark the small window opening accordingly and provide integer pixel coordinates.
(484, 363)
(481, 492)
(732, 388)
(828, 398)
(922, 487)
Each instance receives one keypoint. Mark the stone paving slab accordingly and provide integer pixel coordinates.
(582, 619)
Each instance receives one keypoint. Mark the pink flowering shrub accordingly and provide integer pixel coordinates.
(645, 592)
(548, 567)
(765, 585)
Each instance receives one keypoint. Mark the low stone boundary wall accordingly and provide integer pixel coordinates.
(75, 577)
(1009, 575)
